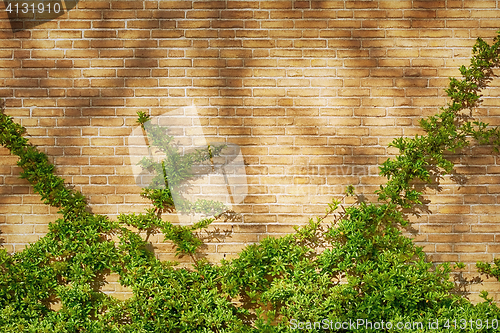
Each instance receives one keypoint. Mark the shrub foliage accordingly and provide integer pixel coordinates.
(358, 274)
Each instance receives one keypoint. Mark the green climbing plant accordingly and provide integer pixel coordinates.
(357, 274)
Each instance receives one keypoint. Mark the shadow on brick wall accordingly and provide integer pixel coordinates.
(274, 77)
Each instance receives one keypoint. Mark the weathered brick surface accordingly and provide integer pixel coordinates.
(312, 91)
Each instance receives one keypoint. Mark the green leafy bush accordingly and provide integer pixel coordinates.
(359, 274)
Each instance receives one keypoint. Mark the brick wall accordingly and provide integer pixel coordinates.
(312, 92)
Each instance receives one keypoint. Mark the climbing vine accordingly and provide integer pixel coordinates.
(360, 269)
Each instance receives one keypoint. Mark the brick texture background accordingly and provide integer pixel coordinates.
(312, 92)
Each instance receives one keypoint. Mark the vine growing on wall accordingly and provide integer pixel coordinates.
(355, 275)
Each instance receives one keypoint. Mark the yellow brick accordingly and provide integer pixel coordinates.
(256, 43)
(297, 85)
(479, 4)
(126, 5)
(240, 4)
(18, 73)
(175, 5)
